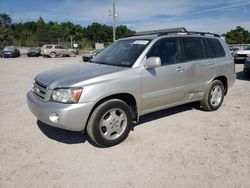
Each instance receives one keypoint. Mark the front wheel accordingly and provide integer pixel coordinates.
(213, 96)
(110, 123)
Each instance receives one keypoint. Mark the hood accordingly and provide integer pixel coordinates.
(88, 55)
(71, 75)
(243, 52)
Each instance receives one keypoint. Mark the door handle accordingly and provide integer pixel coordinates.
(179, 69)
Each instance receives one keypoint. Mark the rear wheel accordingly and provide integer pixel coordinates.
(72, 54)
(213, 96)
(52, 54)
(110, 123)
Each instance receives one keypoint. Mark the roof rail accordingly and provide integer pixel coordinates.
(161, 31)
(181, 30)
(202, 33)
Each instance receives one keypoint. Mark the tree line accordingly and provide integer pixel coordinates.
(37, 33)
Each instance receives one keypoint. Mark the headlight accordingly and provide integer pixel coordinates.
(66, 95)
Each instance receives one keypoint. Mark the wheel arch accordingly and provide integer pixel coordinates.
(128, 98)
(224, 81)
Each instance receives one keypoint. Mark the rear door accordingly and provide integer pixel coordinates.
(200, 69)
(57, 50)
(63, 50)
(163, 85)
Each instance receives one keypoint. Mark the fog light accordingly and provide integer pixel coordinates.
(54, 117)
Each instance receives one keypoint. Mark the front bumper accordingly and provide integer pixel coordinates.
(86, 59)
(9, 55)
(240, 59)
(231, 80)
(44, 53)
(33, 54)
(71, 116)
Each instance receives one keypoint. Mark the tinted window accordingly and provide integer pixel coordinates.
(193, 48)
(167, 50)
(61, 47)
(208, 51)
(48, 47)
(216, 47)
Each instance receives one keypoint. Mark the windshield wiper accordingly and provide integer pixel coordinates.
(105, 63)
(98, 62)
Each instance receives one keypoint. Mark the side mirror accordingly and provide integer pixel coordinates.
(152, 62)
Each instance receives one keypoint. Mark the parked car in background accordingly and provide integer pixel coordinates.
(233, 50)
(10, 51)
(241, 55)
(134, 76)
(34, 52)
(52, 50)
(246, 68)
(88, 56)
(1, 53)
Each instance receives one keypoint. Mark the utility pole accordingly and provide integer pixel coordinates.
(71, 42)
(113, 15)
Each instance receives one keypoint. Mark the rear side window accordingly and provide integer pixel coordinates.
(208, 51)
(193, 48)
(59, 47)
(48, 47)
(216, 48)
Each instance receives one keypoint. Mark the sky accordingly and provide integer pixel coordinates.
(217, 16)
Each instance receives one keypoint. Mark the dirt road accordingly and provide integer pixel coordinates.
(177, 147)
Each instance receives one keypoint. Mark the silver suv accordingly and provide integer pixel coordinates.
(132, 77)
(52, 50)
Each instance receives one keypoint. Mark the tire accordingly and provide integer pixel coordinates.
(72, 54)
(110, 123)
(213, 96)
(52, 54)
(247, 74)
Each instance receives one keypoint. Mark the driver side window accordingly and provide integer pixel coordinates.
(167, 50)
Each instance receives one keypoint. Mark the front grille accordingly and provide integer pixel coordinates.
(242, 55)
(39, 90)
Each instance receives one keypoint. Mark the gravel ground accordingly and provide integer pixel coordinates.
(177, 147)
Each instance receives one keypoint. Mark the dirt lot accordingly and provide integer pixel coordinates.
(177, 147)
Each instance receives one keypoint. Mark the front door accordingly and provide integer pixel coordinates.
(164, 85)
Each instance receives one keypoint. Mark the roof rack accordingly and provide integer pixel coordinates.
(161, 31)
(180, 30)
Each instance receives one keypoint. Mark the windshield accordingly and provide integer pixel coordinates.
(33, 48)
(121, 53)
(9, 48)
(247, 48)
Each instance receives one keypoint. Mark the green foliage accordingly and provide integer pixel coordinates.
(39, 33)
(237, 36)
(5, 22)
(122, 31)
